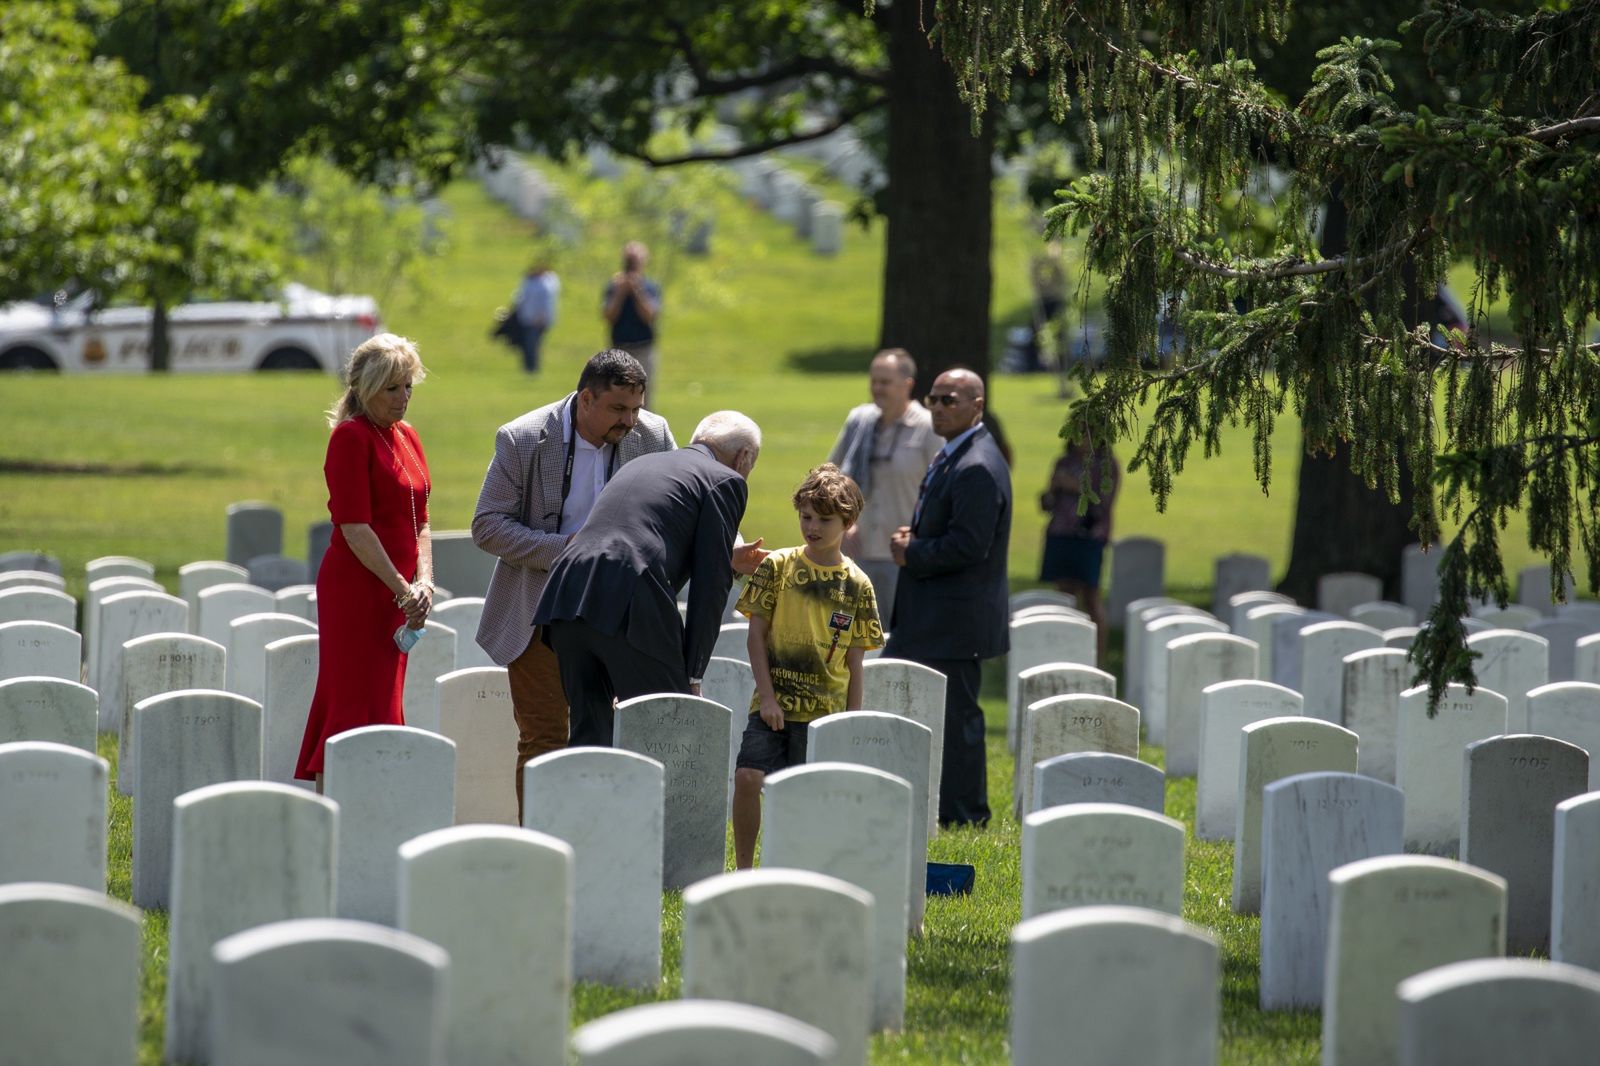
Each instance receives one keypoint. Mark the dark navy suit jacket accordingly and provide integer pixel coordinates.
(951, 602)
(662, 520)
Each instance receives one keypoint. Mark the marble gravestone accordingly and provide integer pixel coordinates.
(1575, 887)
(1488, 1011)
(735, 925)
(1369, 705)
(274, 572)
(301, 601)
(1513, 663)
(1241, 604)
(1194, 663)
(30, 603)
(1060, 725)
(1338, 593)
(475, 713)
(23, 559)
(1402, 637)
(607, 805)
(1259, 624)
(328, 992)
(914, 691)
(123, 617)
(1114, 985)
(71, 955)
(1428, 760)
(431, 658)
(1513, 616)
(1570, 711)
(44, 579)
(1323, 648)
(243, 854)
(50, 709)
(703, 1033)
(221, 604)
(248, 637)
(733, 642)
(183, 741)
(1158, 635)
(158, 663)
(1098, 777)
(499, 900)
(1561, 635)
(39, 649)
(1236, 573)
(391, 783)
(1390, 918)
(52, 815)
(460, 565)
(731, 683)
(464, 614)
(1311, 824)
(1035, 642)
(1021, 601)
(1269, 751)
(853, 823)
(1226, 708)
(896, 746)
(1586, 659)
(194, 578)
(1511, 787)
(689, 736)
(291, 682)
(97, 592)
(1536, 588)
(253, 528)
(1140, 614)
(1419, 577)
(117, 566)
(1090, 854)
(1286, 645)
(1138, 569)
(1383, 615)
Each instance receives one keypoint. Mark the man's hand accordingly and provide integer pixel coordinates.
(694, 688)
(746, 557)
(899, 541)
(772, 714)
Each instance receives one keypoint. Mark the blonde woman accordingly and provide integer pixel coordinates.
(378, 572)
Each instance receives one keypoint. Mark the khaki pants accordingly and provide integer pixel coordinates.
(538, 705)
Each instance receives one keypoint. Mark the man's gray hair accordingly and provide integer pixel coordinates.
(728, 431)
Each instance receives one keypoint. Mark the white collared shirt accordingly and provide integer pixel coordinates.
(953, 443)
(589, 467)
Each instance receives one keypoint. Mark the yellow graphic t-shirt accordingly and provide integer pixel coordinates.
(817, 613)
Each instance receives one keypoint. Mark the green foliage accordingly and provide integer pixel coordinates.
(1328, 310)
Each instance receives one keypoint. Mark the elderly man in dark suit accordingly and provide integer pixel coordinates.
(548, 469)
(611, 602)
(950, 605)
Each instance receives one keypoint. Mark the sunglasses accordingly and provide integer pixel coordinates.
(949, 399)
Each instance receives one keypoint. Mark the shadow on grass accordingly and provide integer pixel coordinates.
(46, 467)
(840, 359)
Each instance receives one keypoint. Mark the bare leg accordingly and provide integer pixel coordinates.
(746, 815)
(319, 784)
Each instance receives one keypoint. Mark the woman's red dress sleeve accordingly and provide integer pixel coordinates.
(347, 469)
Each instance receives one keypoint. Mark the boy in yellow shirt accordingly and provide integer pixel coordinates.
(813, 617)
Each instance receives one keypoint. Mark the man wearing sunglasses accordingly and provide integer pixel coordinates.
(950, 606)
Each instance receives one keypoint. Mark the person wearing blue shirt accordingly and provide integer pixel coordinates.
(535, 308)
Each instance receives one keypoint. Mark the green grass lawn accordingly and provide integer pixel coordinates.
(144, 466)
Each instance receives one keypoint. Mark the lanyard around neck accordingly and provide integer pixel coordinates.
(572, 455)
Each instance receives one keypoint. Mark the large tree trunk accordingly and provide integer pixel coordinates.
(1340, 524)
(160, 338)
(936, 277)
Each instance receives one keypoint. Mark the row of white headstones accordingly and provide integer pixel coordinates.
(1084, 853)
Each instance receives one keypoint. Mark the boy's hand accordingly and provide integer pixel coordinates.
(772, 714)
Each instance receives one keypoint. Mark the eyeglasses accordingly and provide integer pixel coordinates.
(949, 399)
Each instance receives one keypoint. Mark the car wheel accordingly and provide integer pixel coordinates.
(289, 359)
(26, 359)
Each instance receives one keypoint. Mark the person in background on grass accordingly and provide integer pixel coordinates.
(1074, 543)
(535, 308)
(813, 617)
(631, 304)
(378, 572)
(885, 447)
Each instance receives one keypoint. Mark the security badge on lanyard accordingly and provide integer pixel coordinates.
(840, 624)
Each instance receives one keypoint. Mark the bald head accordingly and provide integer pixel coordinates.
(956, 402)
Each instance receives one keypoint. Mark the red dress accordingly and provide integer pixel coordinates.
(379, 477)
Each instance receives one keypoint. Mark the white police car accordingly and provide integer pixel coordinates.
(302, 330)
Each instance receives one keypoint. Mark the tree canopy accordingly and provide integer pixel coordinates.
(1503, 172)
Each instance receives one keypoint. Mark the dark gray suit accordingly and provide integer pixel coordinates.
(950, 607)
(610, 603)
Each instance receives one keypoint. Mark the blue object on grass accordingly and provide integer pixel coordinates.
(950, 878)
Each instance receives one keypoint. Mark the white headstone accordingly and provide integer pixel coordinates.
(896, 746)
(69, 987)
(1236, 573)
(274, 572)
(475, 713)
(1258, 626)
(125, 616)
(1419, 578)
(1225, 709)
(10, 579)
(1098, 777)
(1575, 894)
(735, 925)
(1285, 637)
(1535, 588)
(248, 637)
(1388, 919)
(1513, 616)
(1039, 640)
(1138, 568)
(29, 560)
(326, 992)
(702, 1032)
(300, 601)
(731, 683)
(687, 735)
(39, 649)
(1193, 664)
(914, 691)
(1323, 648)
(1383, 615)
(221, 604)
(499, 900)
(1269, 751)
(1402, 637)
(1511, 787)
(460, 565)
(1114, 984)
(1241, 604)
(117, 566)
(607, 805)
(391, 783)
(49, 709)
(1158, 634)
(1428, 760)
(853, 823)
(1570, 711)
(1370, 706)
(291, 681)
(463, 614)
(431, 658)
(1311, 824)
(1092, 854)
(827, 227)
(1586, 659)
(243, 854)
(183, 741)
(1512, 664)
(1338, 593)
(732, 641)
(253, 528)
(194, 578)
(36, 603)
(1029, 598)
(1562, 636)
(1060, 725)
(1488, 1011)
(1141, 613)
(52, 814)
(162, 662)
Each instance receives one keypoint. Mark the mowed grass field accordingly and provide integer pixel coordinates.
(144, 466)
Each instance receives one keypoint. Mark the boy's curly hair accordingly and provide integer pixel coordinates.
(828, 491)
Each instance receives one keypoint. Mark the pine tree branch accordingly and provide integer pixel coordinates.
(709, 84)
(1577, 127)
(745, 151)
(1278, 271)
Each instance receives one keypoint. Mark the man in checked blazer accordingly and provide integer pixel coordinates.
(540, 487)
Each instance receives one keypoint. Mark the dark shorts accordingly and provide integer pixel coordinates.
(1070, 558)
(763, 748)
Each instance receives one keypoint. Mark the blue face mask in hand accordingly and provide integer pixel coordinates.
(405, 638)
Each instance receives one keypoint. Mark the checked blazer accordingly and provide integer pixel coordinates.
(518, 512)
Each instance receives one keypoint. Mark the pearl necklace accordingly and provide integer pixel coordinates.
(411, 486)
